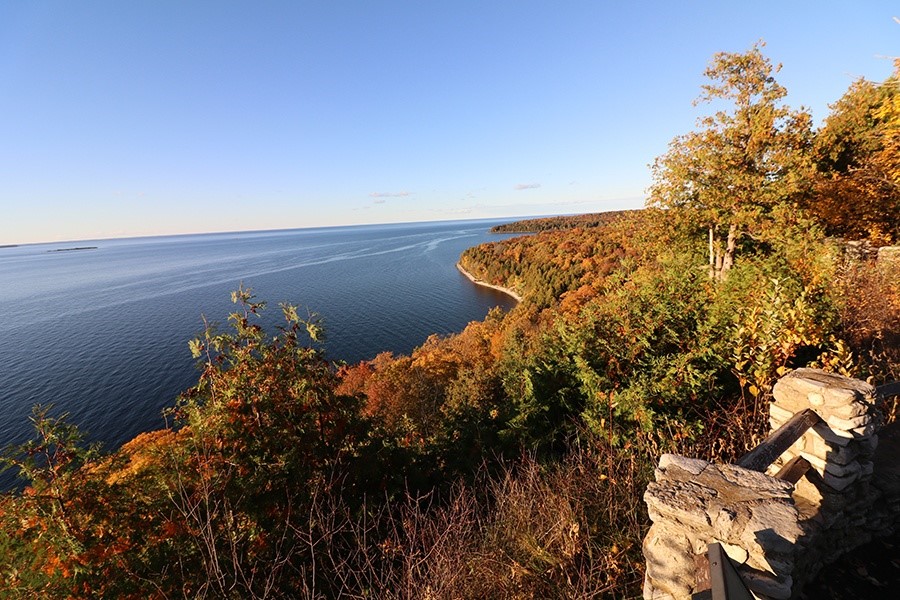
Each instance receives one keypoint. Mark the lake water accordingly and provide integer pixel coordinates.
(103, 333)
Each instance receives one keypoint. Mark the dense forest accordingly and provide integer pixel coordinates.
(559, 222)
(508, 460)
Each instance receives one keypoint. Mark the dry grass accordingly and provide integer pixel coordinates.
(870, 321)
(567, 530)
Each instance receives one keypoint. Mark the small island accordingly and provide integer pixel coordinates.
(73, 249)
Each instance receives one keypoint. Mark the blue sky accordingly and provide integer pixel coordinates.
(143, 118)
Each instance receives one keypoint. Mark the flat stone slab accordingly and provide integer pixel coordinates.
(673, 467)
(833, 389)
(726, 502)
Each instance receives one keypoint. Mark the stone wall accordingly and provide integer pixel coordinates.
(778, 534)
(864, 250)
(889, 255)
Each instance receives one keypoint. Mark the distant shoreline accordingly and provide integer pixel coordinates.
(499, 288)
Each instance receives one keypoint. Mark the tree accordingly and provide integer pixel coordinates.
(265, 437)
(857, 154)
(742, 162)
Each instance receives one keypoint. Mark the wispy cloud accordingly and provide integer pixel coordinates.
(526, 186)
(378, 201)
(390, 194)
(466, 210)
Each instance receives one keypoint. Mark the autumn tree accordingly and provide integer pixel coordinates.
(857, 153)
(743, 161)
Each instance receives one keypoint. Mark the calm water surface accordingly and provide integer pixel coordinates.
(102, 333)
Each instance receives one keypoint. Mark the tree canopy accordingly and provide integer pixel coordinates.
(857, 154)
(744, 159)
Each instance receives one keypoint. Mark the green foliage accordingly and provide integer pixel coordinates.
(267, 432)
(646, 352)
(545, 399)
(213, 508)
(251, 384)
(769, 333)
(546, 265)
(726, 178)
(49, 536)
(57, 451)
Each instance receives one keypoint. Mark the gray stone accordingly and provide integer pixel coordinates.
(815, 399)
(694, 466)
(854, 409)
(670, 564)
(771, 564)
(778, 588)
(762, 484)
(833, 388)
(826, 433)
(815, 444)
(853, 468)
(889, 255)
(838, 483)
(772, 528)
(850, 424)
(735, 553)
(651, 593)
(865, 432)
(680, 501)
(868, 445)
(780, 413)
(816, 462)
(727, 522)
(851, 409)
(779, 534)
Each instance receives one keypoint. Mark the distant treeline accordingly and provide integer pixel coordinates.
(557, 223)
(566, 254)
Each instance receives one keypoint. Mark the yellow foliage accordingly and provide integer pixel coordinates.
(143, 452)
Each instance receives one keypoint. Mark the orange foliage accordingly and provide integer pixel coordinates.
(143, 452)
(857, 193)
(544, 266)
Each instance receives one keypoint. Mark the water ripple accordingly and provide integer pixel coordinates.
(103, 334)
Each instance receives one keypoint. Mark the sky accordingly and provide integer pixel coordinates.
(123, 119)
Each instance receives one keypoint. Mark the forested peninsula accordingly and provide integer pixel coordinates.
(509, 292)
(507, 460)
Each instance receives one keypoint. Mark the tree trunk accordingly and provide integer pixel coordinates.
(721, 259)
(728, 258)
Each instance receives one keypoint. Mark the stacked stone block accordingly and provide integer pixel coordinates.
(778, 534)
(835, 500)
(693, 503)
(840, 448)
